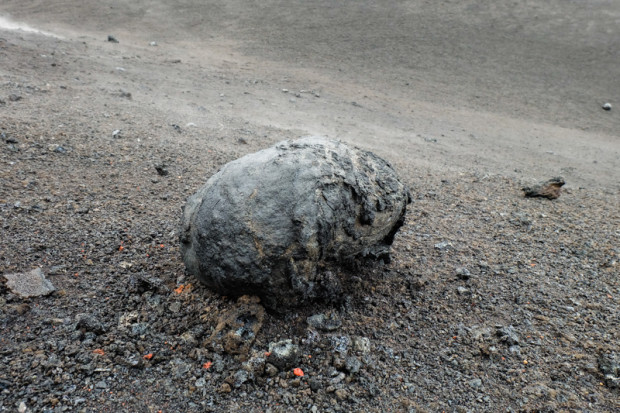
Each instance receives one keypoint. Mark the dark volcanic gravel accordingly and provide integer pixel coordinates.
(492, 301)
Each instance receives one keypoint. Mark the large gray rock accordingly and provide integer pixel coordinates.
(284, 222)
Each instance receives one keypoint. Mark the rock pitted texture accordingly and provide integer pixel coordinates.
(29, 284)
(550, 189)
(281, 223)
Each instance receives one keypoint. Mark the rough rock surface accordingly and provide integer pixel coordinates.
(237, 328)
(280, 223)
(550, 189)
(29, 284)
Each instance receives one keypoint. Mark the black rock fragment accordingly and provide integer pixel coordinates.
(140, 283)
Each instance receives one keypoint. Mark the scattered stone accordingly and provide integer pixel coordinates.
(175, 307)
(462, 290)
(240, 377)
(15, 98)
(125, 94)
(475, 383)
(153, 44)
(218, 363)
(237, 328)
(8, 139)
(283, 354)
(340, 344)
(117, 134)
(89, 323)
(139, 329)
(315, 384)
(508, 335)
(54, 147)
(161, 170)
(224, 388)
(22, 308)
(130, 360)
(141, 283)
(607, 106)
(255, 365)
(179, 368)
(29, 284)
(341, 394)
(112, 39)
(352, 365)
(176, 128)
(270, 370)
(361, 344)
(463, 273)
(609, 365)
(283, 222)
(443, 245)
(550, 189)
(338, 362)
(323, 322)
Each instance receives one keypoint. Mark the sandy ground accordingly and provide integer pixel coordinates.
(469, 101)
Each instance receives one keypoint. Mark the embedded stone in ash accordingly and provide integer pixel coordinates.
(29, 284)
(285, 223)
(237, 328)
(283, 354)
(550, 189)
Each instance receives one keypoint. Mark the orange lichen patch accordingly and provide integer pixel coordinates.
(99, 351)
(179, 289)
(207, 365)
(298, 372)
(148, 356)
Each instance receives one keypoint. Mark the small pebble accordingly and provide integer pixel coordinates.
(341, 394)
(607, 106)
(475, 383)
(224, 388)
